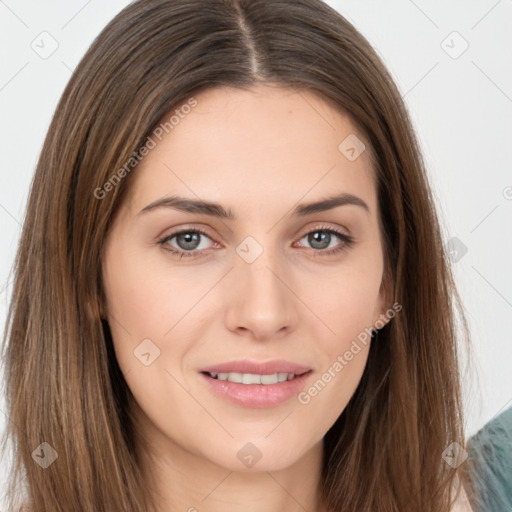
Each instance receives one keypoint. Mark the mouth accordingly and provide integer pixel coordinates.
(256, 385)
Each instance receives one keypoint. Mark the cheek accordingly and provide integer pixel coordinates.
(143, 305)
(149, 300)
(346, 306)
(346, 303)
(143, 295)
(135, 304)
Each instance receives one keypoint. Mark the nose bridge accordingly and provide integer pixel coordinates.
(259, 267)
(262, 302)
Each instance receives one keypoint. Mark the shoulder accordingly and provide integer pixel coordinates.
(495, 434)
(490, 452)
(493, 444)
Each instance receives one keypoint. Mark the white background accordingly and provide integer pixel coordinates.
(461, 108)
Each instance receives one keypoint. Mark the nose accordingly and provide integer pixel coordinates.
(261, 302)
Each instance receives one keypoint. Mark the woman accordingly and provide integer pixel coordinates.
(231, 289)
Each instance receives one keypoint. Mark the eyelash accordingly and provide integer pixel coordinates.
(347, 242)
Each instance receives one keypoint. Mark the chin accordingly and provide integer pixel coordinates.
(258, 455)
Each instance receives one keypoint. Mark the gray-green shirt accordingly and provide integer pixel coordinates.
(491, 452)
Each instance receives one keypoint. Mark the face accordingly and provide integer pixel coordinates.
(269, 291)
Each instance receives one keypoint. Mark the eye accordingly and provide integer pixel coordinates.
(187, 239)
(321, 239)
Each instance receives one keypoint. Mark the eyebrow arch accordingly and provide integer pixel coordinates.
(216, 210)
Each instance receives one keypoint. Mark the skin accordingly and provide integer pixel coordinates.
(258, 152)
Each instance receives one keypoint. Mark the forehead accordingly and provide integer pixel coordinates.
(262, 145)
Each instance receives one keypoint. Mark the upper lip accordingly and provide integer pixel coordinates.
(256, 367)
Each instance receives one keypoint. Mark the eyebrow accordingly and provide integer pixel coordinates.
(217, 210)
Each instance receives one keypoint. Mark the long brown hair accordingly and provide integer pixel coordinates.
(63, 384)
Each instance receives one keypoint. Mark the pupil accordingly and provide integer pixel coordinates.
(190, 240)
(317, 237)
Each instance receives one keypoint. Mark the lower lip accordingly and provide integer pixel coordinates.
(256, 395)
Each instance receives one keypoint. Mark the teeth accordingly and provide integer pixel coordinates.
(247, 378)
(269, 379)
(251, 378)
